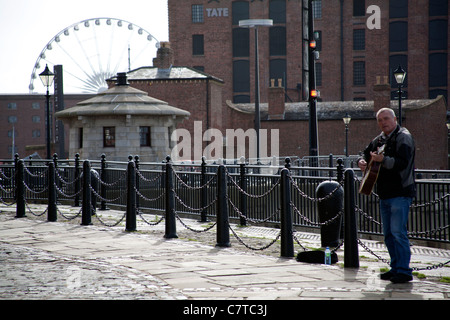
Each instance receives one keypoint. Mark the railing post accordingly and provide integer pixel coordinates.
(130, 224)
(171, 226)
(204, 192)
(340, 170)
(86, 218)
(77, 180)
(351, 255)
(103, 175)
(136, 162)
(287, 163)
(20, 190)
(330, 165)
(287, 241)
(55, 161)
(243, 197)
(223, 234)
(51, 209)
(16, 165)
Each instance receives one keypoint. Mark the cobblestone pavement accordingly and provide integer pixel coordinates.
(36, 274)
(63, 260)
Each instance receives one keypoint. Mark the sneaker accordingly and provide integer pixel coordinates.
(401, 278)
(387, 275)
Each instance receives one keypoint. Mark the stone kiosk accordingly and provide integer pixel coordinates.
(121, 121)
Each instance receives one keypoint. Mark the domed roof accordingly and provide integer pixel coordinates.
(122, 100)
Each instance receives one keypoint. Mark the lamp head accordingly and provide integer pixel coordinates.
(251, 23)
(399, 75)
(347, 119)
(47, 77)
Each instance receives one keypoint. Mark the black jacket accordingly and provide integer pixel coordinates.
(396, 177)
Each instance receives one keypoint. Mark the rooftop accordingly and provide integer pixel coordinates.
(329, 110)
(172, 73)
(122, 100)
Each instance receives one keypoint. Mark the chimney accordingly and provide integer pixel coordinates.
(382, 93)
(122, 79)
(276, 100)
(164, 56)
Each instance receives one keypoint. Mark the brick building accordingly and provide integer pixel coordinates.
(201, 95)
(26, 115)
(425, 119)
(356, 45)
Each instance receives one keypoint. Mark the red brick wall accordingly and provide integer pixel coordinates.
(218, 59)
(25, 143)
(427, 125)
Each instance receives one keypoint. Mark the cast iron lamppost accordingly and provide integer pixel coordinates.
(399, 76)
(346, 120)
(47, 79)
(255, 23)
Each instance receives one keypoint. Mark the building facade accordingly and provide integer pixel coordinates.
(358, 41)
(23, 124)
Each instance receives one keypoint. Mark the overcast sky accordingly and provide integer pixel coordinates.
(26, 26)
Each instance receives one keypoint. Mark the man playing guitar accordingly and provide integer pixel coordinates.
(395, 188)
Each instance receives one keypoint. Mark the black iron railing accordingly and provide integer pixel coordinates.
(252, 192)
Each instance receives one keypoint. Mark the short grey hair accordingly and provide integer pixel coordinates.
(386, 110)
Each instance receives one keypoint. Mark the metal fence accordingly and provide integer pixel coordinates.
(253, 192)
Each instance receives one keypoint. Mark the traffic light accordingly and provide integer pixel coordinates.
(312, 44)
(314, 93)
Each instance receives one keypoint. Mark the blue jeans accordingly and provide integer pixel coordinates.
(394, 215)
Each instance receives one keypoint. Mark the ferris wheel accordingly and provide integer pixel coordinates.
(94, 50)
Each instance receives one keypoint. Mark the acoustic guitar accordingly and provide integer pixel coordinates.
(371, 174)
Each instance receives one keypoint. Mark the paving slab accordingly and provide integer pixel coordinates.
(93, 262)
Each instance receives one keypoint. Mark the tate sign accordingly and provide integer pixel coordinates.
(216, 12)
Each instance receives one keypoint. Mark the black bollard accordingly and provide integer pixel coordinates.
(223, 234)
(130, 224)
(351, 254)
(287, 240)
(86, 214)
(20, 190)
(331, 206)
(171, 226)
(51, 209)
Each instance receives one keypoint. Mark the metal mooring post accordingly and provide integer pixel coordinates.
(20, 190)
(223, 234)
(171, 226)
(351, 255)
(86, 205)
(51, 209)
(130, 224)
(331, 206)
(287, 241)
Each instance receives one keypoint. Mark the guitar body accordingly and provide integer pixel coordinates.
(370, 178)
(371, 175)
